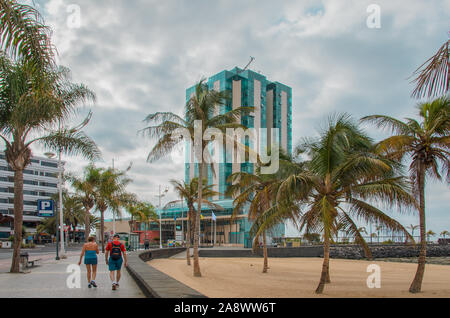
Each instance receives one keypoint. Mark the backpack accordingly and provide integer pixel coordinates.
(116, 251)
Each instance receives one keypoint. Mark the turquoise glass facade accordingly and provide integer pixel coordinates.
(254, 92)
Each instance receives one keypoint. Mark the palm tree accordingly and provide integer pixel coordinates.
(73, 211)
(258, 190)
(427, 144)
(378, 228)
(373, 235)
(188, 192)
(362, 230)
(150, 211)
(254, 189)
(85, 189)
(30, 108)
(413, 228)
(337, 228)
(24, 35)
(48, 225)
(202, 113)
(144, 213)
(340, 177)
(433, 77)
(444, 233)
(430, 233)
(110, 192)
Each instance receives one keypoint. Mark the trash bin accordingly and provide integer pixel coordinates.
(24, 260)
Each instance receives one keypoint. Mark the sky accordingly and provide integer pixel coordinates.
(139, 57)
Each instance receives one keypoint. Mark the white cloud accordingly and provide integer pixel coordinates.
(140, 56)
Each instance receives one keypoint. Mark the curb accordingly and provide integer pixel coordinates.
(152, 282)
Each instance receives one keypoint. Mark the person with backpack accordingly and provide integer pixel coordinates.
(114, 256)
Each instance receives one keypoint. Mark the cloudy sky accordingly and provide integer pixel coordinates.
(139, 56)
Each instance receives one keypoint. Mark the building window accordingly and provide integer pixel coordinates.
(30, 182)
(47, 184)
(45, 194)
(49, 164)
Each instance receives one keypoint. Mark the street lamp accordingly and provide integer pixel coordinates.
(114, 214)
(61, 216)
(160, 196)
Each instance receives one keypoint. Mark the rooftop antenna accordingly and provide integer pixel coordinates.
(248, 65)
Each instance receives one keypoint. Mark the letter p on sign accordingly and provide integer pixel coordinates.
(45, 205)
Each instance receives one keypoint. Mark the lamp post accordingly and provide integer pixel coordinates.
(61, 216)
(182, 222)
(114, 215)
(160, 196)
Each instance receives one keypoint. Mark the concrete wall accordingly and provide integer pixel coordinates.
(160, 253)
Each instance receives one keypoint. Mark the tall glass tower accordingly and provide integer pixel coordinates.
(273, 109)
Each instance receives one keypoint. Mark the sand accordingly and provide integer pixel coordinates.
(298, 277)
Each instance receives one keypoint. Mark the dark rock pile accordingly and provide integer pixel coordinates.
(387, 251)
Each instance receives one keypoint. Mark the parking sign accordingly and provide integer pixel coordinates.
(46, 208)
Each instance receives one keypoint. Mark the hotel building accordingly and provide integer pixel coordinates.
(273, 109)
(40, 183)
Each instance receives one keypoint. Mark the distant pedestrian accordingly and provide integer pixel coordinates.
(147, 244)
(90, 251)
(114, 256)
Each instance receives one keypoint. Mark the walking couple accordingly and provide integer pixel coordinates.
(114, 256)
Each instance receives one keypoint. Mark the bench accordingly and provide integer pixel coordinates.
(32, 262)
(26, 263)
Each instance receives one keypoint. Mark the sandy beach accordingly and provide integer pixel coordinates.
(298, 277)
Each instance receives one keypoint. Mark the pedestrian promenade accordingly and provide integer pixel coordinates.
(49, 280)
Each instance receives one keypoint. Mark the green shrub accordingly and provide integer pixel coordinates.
(31, 245)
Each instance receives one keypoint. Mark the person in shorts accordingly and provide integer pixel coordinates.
(114, 256)
(90, 252)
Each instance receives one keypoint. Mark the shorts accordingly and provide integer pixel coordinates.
(115, 265)
(90, 261)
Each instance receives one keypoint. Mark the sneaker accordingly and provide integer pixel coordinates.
(117, 285)
(89, 285)
(113, 286)
(94, 284)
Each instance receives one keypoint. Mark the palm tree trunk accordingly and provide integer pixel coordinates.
(87, 225)
(18, 220)
(325, 276)
(188, 241)
(416, 285)
(102, 229)
(197, 272)
(266, 260)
